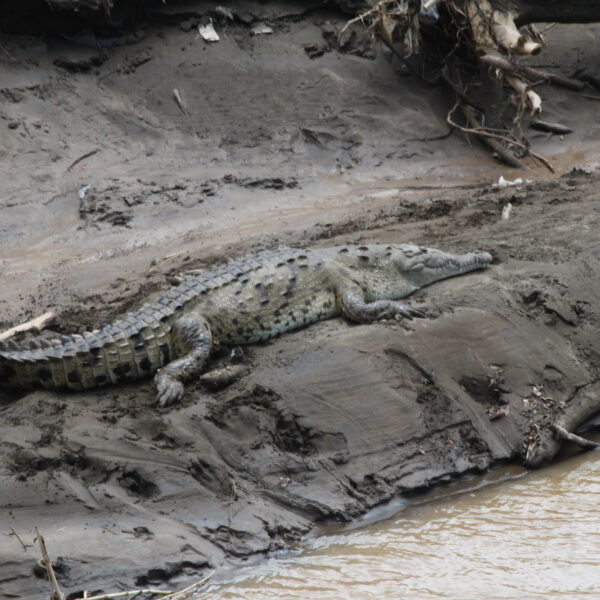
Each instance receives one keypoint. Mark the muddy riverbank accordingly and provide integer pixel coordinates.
(111, 187)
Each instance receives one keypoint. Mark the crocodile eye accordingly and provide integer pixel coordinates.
(411, 250)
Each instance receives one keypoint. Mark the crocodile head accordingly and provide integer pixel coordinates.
(421, 266)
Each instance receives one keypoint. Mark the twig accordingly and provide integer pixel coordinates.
(17, 536)
(164, 593)
(36, 324)
(563, 434)
(56, 593)
(487, 138)
(589, 96)
(184, 592)
(179, 101)
(542, 159)
(360, 18)
(535, 74)
(83, 157)
(550, 26)
(430, 4)
(486, 134)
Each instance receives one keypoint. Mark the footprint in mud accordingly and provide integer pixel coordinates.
(138, 485)
(103, 207)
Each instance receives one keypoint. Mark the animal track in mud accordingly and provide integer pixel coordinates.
(201, 470)
(482, 391)
(161, 574)
(25, 463)
(103, 207)
(81, 65)
(289, 436)
(236, 543)
(263, 183)
(276, 427)
(372, 486)
(137, 484)
(549, 299)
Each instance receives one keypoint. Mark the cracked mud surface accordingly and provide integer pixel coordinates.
(277, 147)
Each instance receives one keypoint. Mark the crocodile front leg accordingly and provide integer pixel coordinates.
(192, 343)
(354, 308)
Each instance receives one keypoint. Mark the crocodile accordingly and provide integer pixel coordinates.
(246, 301)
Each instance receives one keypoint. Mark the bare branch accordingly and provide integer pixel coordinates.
(563, 434)
(485, 134)
(36, 324)
(531, 73)
(56, 593)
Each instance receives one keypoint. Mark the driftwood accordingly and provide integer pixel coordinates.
(550, 127)
(36, 324)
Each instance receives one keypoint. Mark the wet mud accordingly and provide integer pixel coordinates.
(111, 188)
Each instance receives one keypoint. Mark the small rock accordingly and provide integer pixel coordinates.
(260, 28)
(220, 378)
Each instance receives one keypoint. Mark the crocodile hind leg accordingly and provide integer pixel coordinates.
(355, 308)
(192, 343)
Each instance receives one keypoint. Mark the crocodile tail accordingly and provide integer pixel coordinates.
(23, 366)
(124, 351)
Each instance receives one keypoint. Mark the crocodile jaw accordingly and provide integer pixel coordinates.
(423, 266)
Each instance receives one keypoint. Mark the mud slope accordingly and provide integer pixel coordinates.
(330, 421)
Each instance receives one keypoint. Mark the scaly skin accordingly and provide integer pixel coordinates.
(247, 301)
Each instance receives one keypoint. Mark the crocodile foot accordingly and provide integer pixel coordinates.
(169, 390)
(403, 311)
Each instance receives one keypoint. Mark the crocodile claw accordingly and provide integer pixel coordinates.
(169, 390)
(408, 312)
(419, 314)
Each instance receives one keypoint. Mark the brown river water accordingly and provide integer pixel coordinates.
(510, 534)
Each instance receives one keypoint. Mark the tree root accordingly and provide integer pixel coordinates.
(534, 75)
(487, 31)
(489, 137)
